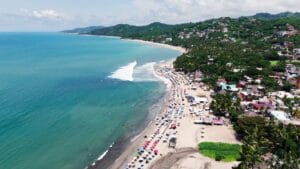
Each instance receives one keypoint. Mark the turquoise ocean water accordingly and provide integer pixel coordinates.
(58, 108)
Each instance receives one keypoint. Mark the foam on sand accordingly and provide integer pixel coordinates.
(125, 72)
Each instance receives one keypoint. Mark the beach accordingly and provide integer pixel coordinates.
(150, 148)
(178, 48)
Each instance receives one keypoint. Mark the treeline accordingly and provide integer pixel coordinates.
(267, 144)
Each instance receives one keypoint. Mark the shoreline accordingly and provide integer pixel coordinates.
(132, 150)
(180, 49)
(138, 139)
(177, 48)
(177, 111)
(127, 144)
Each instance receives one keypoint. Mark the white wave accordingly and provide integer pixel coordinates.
(124, 72)
(141, 73)
(102, 155)
(145, 72)
(165, 80)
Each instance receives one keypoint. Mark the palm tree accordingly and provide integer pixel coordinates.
(251, 155)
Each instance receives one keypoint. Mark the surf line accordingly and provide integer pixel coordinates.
(124, 73)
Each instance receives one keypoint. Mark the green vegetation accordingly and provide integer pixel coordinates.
(268, 143)
(234, 49)
(267, 16)
(274, 62)
(224, 105)
(83, 30)
(220, 151)
(297, 64)
(289, 103)
(244, 43)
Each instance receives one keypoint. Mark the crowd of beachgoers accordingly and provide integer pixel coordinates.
(182, 123)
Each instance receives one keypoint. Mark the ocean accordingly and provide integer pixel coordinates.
(64, 99)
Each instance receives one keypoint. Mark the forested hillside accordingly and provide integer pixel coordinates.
(260, 54)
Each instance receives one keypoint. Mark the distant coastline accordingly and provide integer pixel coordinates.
(177, 48)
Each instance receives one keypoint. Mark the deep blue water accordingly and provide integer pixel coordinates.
(58, 108)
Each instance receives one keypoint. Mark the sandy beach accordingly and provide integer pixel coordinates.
(150, 149)
(178, 48)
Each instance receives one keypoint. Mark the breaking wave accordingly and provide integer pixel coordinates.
(124, 73)
(145, 72)
(132, 72)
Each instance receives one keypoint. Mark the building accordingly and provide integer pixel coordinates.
(296, 51)
(279, 115)
(228, 87)
(282, 94)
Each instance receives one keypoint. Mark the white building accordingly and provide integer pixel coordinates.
(296, 51)
(282, 94)
(279, 115)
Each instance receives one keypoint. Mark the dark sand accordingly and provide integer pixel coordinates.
(170, 159)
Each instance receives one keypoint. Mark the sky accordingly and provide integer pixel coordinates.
(56, 15)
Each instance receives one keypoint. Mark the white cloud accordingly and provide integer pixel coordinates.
(34, 20)
(47, 14)
(140, 12)
(175, 11)
(43, 14)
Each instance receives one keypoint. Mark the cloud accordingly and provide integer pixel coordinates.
(34, 20)
(47, 14)
(43, 14)
(139, 12)
(175, 11)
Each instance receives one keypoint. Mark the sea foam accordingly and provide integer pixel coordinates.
(124, 73)
(145, 72)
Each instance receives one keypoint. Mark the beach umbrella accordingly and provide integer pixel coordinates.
(141, 149)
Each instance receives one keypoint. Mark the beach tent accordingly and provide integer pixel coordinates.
(201, 99)
(218, 121)
(173, 126)
(141, 150)
(172, 141)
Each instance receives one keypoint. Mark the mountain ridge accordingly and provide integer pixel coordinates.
(121, 29)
